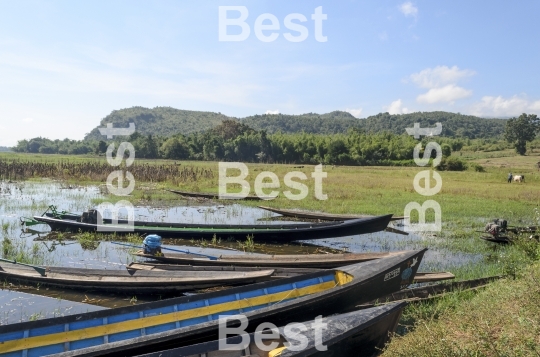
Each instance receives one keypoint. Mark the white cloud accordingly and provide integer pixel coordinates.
(28, 120)
(408, 9)
(440, 75)
(396, 107)
(354, 112)
(383, 36)
(448, 93)
(499, 106)
(272, 111)
(442, 84)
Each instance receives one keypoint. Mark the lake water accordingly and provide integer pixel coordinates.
(33, 198)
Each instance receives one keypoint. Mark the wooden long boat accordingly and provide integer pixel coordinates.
(186, 320)
(358, 333)
(431, 291)
(320, 215)
(420, 277)
(216, 196)
(428, 277)
(131, 281)
(261, 233)
(321, 261)
(498, 239)
(279, 272)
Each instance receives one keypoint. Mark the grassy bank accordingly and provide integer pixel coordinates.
(500, 320)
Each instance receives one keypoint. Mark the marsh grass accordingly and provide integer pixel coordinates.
(248, 245)
(502, 319)
(22, 251)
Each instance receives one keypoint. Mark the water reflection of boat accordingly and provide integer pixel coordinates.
(261, 233)
(358, 333)
(130, 281)
(192, 319)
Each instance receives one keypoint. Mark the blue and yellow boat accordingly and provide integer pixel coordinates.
(193, 319)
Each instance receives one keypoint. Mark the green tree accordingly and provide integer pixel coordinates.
(446, 150)
(101, 148)
(521, 130)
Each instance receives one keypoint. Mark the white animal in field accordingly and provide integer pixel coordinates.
(519, 178)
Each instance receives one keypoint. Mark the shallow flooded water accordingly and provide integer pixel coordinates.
(16, 306)
(33, 198)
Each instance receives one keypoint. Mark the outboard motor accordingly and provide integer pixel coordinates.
(501, 223)
(152, 244)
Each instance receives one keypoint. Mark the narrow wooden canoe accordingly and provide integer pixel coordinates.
(431, 291)
(499, 239)
(359, 333)
(433, 276)
(131, 281)
(320, 215)
(215, 196)
(320, 261)
(261, 233)
(420, 277)
(183, 321)
(279, 272)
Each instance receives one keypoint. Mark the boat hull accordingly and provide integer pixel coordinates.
(130, 282)
(360, 333)
(317, 261)
(260, 233)
(193, 319)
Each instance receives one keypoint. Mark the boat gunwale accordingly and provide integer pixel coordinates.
(211, 228)
(161, 303)
(160, 276)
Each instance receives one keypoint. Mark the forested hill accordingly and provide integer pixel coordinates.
(330, 123)
(4, 148)
(166, 122)
(160, 121)
(453, 124)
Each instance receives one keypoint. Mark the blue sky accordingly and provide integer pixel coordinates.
(64, 65)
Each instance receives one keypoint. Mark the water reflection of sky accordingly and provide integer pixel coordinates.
(33, 198)
(17, 306)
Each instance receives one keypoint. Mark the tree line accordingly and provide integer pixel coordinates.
(234, 141)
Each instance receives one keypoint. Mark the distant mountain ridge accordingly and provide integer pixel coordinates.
(161, 121)
(167, 121)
